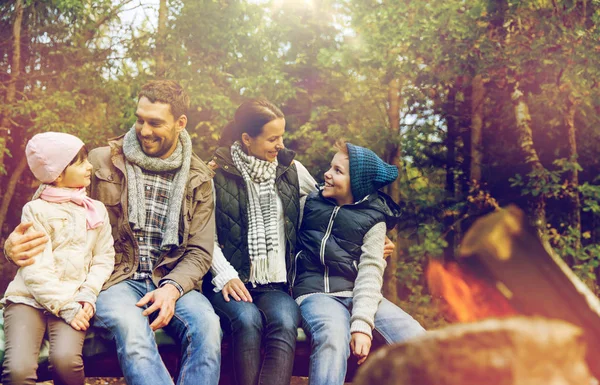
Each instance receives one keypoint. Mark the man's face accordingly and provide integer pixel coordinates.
(157, 129)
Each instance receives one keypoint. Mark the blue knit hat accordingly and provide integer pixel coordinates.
(368, 173)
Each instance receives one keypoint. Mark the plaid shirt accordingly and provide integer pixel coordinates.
(157, 188)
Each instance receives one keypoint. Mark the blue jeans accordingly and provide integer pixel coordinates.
(326, 320)
(270, 321)
(194, 324)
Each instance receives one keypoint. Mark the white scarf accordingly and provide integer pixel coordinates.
(263, 243)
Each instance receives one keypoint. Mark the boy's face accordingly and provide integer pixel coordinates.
(337, 180)
(77, 175)
(157, 130)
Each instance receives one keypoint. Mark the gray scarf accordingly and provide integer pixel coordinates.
(136, 160)
(263, 244)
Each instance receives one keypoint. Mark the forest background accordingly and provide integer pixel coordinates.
(481, 103)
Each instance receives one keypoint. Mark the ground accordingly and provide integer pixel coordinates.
(120, 381)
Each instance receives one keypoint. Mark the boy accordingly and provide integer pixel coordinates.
(340, 265)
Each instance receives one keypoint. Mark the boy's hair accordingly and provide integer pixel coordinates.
(167, 92)
(340, 146)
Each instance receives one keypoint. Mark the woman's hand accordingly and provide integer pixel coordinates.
(388, 248)
(360, 344)
(236, 288)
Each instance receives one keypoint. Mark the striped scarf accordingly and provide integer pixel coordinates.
(263, 242)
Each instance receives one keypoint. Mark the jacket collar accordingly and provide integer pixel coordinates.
(379, 201)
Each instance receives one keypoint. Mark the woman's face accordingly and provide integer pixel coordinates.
(267, 145)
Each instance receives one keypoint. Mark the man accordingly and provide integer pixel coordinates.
(159, 198)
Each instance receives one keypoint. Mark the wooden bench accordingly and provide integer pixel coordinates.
(100, 357)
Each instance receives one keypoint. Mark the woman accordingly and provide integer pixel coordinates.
(258, 187)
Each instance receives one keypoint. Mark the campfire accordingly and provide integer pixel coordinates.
(522, 317)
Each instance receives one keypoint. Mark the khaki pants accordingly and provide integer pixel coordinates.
(24, 328)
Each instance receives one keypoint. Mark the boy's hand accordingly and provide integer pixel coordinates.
(212, 165)
(81, 321)
(21, 248)
(88, 309)
(360, 344)
(388, 248)
(236, 288)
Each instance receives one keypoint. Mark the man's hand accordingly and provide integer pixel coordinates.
(81, 321)
(236, 288)
(21, 248)
(88, 309)
(360, 344)
(162, 299)
(388, 248)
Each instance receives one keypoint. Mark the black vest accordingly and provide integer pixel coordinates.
(232, 216)
(330, 241)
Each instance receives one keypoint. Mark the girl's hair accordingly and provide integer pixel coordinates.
(249, 118)
(340, 146)
(80, 157)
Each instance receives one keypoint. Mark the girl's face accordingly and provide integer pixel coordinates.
(77, 175)
(337, 180)
(267, 145)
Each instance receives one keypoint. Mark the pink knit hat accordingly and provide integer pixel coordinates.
(49, 153)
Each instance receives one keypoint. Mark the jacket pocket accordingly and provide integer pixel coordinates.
(58, 229)
(108, 186)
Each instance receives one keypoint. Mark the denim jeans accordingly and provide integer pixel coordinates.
(194, 324)
(270, 321)
(326, 320)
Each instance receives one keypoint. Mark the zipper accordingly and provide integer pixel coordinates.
(322, 251)
(295, 270)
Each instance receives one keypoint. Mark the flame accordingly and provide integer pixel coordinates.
(469, 298)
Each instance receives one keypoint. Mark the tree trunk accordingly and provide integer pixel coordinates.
(463, 156)
(477, 99)
(537, 204)
(11, 90)
(10, 189)
(573, 178)
(161, 39)
(393, 156)
(452, 135)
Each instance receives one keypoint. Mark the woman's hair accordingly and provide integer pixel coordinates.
(340, 146)
(249, 118)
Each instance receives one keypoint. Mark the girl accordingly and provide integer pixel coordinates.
(58, 292)
(340, 264)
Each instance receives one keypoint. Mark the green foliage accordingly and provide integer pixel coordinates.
(329, 64)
